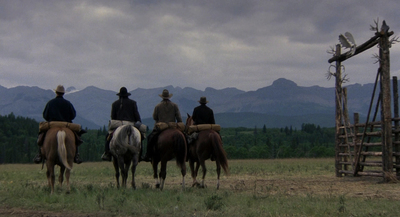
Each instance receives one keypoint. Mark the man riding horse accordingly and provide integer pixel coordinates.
(59, 109)
(123, 109)
(165, 111)
(202, 114)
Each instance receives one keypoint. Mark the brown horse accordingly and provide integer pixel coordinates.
(125, 148)
(207, 145)
(59, 149)
(171, 144)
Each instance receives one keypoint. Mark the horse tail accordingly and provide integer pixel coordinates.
(133, 138)
(220, 154)
(62, 151)
(180, 148)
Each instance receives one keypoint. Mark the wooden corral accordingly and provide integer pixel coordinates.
(371, 148)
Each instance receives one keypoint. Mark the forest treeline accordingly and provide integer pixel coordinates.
(18, 136)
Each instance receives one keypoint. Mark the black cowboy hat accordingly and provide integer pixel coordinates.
(203, 100)
(123, 92)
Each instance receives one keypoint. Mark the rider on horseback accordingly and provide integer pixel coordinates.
(165, 111)
(202, 114)
(59, 109)
(123, 109)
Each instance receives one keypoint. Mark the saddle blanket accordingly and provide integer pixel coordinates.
(46, 125)
(201, 127)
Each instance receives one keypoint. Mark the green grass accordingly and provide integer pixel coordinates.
(292, 187)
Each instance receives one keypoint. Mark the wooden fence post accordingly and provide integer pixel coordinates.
(396, 123)
(356, 140)
(338, 117)
(346, 128)
(387, 150)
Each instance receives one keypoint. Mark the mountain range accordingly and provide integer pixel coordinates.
(281, 104)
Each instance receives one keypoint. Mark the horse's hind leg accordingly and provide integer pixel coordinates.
(155, 176)
(183, 172)
(194, 175)
(125, 173)
(133, 169)
(50, 176)
(203, 167)
(194, 172)
(61, 176)
(218, 171)
(116, 167)
(163, 174)
(67, 175)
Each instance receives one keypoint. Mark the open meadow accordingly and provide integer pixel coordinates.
(281, 187)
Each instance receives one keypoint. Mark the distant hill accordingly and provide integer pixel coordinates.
(281, 104)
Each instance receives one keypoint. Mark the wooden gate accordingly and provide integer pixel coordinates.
(375, 143)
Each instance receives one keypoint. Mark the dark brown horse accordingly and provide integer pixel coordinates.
(125, 148)
(59, 149)
(171, 144)
(207, 145)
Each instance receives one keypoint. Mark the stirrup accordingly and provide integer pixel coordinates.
(145, 159)
(106, 156)
(77, 160)
(38, 159)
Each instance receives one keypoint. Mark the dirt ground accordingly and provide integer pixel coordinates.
(326, 186)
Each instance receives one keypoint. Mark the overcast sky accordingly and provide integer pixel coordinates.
(209, 43)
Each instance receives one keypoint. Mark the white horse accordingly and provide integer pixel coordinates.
(125, 148)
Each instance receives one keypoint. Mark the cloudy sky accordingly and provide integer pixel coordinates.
(245, 44)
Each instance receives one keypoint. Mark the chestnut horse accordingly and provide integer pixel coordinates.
(59, 149)
(171, 144)
(207, 145)
(125, 147)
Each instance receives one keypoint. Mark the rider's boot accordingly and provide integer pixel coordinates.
(38, 158)
(76, 158)
(107, 155)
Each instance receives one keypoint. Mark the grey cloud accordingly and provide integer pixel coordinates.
(244, 44)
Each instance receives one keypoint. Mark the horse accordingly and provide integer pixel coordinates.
(171, 144)
(125, 148)
(207, 145)
(59, 149)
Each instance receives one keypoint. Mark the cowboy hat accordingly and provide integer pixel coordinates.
(165, 94)
(123, 92)
(60, 89)
(203, 100)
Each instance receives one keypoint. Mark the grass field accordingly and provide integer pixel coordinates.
(287, 187)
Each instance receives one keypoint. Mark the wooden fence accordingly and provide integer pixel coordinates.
(374, 144)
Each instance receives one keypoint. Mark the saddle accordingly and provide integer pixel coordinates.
(46, 125)
(114, 124)
(161, 126)
(201, 127)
